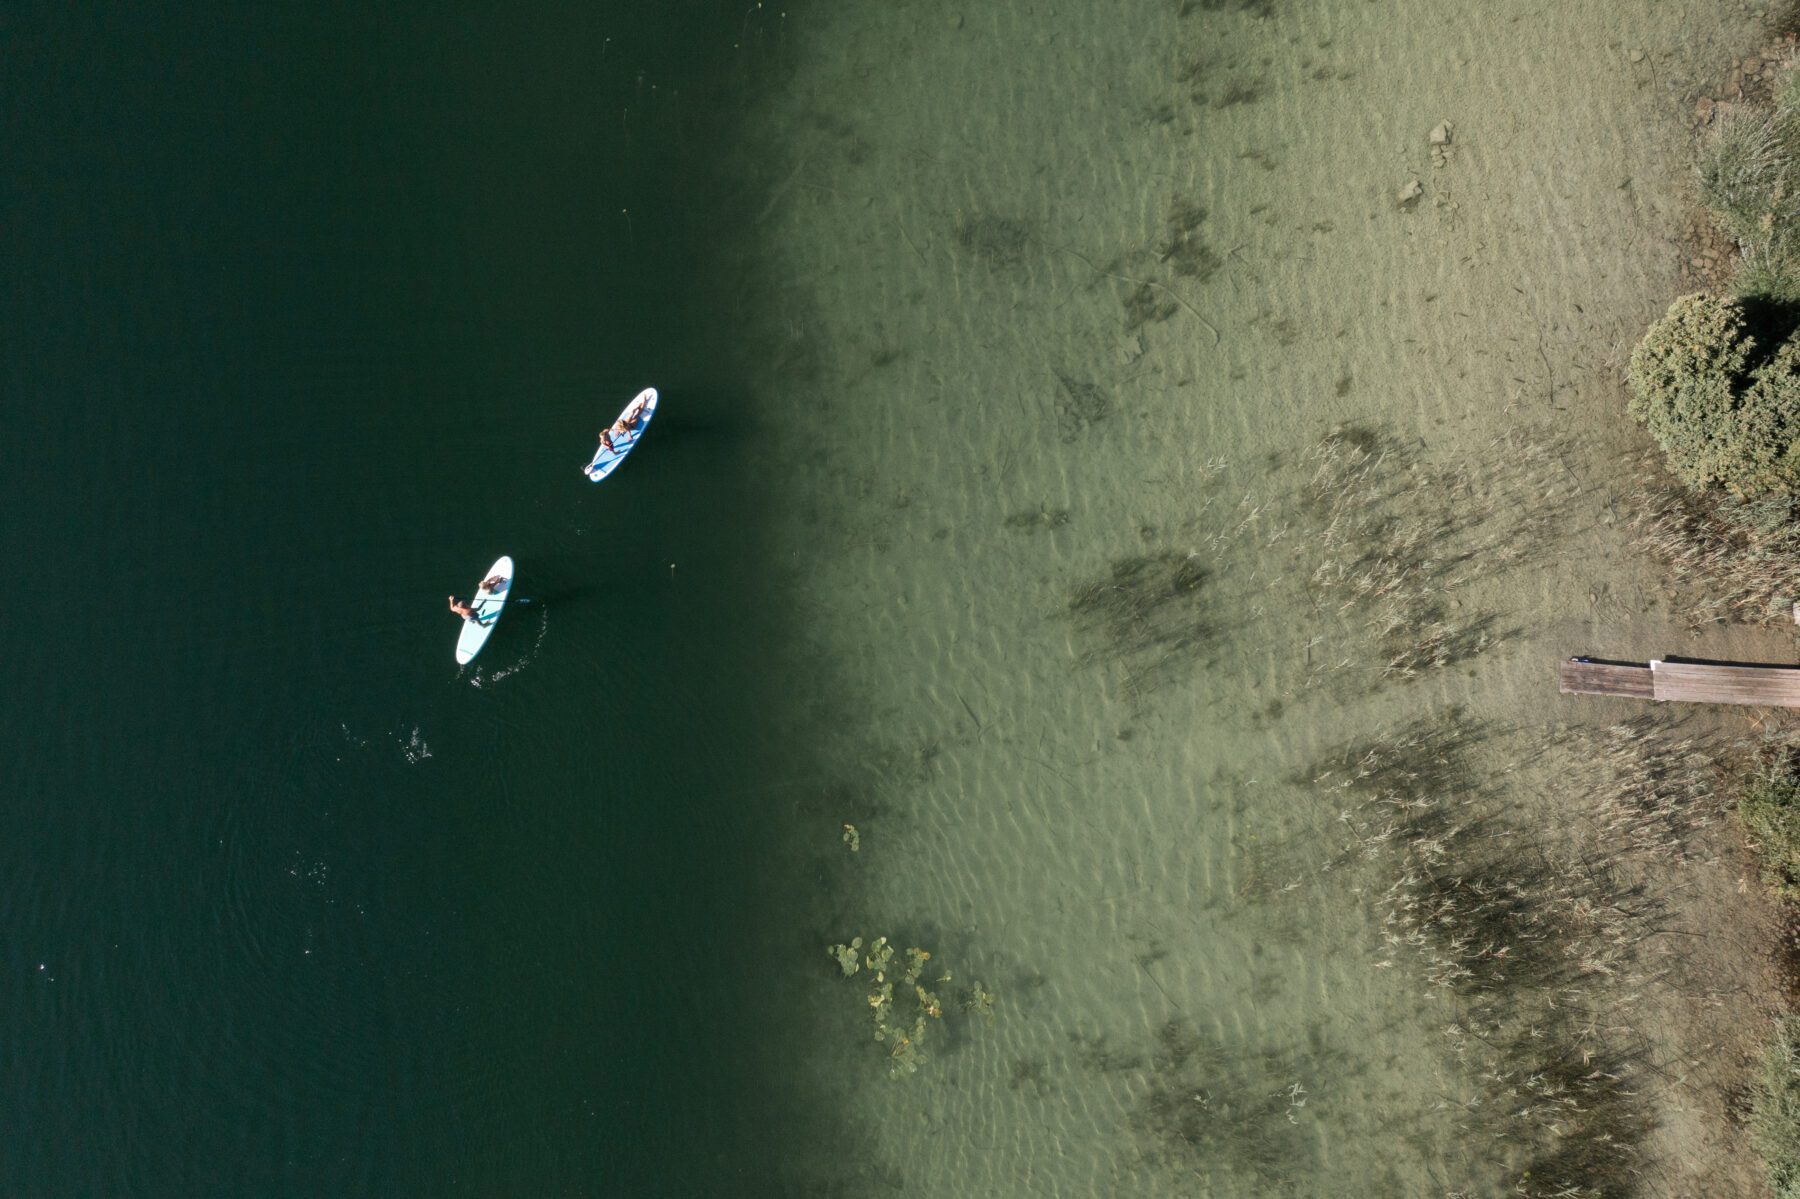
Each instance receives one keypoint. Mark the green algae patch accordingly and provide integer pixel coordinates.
(903, 1010)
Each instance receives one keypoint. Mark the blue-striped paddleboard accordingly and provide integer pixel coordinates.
(607, 460)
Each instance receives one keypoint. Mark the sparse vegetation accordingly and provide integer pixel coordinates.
(1750, 181)
(1769, 808)
(1775, 1115)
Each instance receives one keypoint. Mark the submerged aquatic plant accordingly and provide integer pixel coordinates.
(1184, 248)
(903, 1023)
(1080, 405)
(1148, 612)
(1000, 241)
(1536, 937)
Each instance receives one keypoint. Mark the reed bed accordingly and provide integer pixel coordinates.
(1738, 561)
(1536, 941)
(1652, 787)
(1398, 543)
(1229, 1113)
(1150, 613)
(1391, 551)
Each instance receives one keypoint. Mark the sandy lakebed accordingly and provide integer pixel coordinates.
(1213, 438)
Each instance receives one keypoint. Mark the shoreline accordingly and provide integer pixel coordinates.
(1110, 802)
(1706, 251)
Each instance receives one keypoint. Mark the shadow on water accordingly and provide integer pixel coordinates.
(720, 422)
(556, 597)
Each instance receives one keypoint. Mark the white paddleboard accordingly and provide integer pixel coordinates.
(488, 605)
(607, 460)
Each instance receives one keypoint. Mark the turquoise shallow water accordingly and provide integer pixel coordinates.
(311, 314)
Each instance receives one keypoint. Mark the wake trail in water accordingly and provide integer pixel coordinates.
(481, 677)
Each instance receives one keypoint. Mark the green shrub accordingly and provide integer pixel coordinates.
(1768, 424)
(1718, 421)
(1775, 1120)
(1770, 812)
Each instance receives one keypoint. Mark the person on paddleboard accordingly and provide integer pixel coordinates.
(461, 609)
(624, 426)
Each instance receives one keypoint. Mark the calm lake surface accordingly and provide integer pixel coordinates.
(1077, 470)
(311, 314)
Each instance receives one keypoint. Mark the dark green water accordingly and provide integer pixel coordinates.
(309, 315)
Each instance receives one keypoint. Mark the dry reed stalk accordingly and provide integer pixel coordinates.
(1743, 560)
(1536, 942)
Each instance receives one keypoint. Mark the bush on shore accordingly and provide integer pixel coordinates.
(1722, 417)
(1726, 412)
(1717, 380)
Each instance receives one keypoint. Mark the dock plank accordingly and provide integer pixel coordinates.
(1760, 686)
(1708, 683)
(1605, 678)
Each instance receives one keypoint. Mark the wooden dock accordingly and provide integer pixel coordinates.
(1684, 682)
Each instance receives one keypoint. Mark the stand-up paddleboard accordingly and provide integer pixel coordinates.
(488, 605)
(606, 461)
